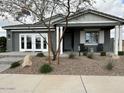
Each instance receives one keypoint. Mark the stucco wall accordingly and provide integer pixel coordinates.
(76, 40)
(9, 41)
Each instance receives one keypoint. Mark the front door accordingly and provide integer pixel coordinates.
(68, 41)
(33, 42)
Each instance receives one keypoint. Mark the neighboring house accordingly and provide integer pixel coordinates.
(88, 27)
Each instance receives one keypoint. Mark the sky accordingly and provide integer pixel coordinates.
(114, 7)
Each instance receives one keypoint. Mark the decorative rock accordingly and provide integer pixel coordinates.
(27, 61)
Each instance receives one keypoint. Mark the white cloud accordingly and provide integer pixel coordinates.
(5, 22)
(2, 32)
(114, 7)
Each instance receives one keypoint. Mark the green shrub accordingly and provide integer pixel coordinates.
(40, 54)
(71, 56)
(85, 53)
(2, 49)
(103, 53)
(109, 66)
(120, 53)
(15, 64)
(46, 68)
(3, 44)
(90, 55)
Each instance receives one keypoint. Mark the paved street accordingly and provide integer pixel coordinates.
(60, 84)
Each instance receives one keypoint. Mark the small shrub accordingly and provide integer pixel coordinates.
(40, 54)
(85, 53)
(15, 64)
(46, 68)
(2, 49)
(109, 66)
(71, 56)
(103, 53)
(3, 41)
(120, 53)
(90, 55)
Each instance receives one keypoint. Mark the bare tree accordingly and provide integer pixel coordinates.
(39, 9)
(68, 8)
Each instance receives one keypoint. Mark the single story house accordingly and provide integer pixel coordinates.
(88, 27)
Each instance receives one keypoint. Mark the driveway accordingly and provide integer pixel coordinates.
(60, 84)
(7, 58)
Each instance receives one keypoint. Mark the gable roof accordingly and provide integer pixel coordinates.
(83, 12)
(35, 25)
(58, 19)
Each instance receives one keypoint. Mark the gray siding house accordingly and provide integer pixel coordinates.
(88, 27)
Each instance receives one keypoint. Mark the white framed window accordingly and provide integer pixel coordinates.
(33, 42)
(91, 37)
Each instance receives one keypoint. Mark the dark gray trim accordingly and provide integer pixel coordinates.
(89, 24)
(32, 30)
(28, 26)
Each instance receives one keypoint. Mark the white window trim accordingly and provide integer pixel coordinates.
(91, 44)
(33, 35)
(83, 38)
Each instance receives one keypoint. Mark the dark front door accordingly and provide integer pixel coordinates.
(69, 41)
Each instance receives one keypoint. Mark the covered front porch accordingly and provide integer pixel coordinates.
(96, 38)
(92, 29)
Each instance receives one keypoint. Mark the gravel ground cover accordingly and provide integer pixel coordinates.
(79, 65)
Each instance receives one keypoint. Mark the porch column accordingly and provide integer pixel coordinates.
(61, 45)
(59, 32)
(120, 38)
(116, 40)
(57, 37)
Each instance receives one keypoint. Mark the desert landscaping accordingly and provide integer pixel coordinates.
(76, 65)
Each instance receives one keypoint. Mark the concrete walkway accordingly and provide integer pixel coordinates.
(60, 84)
